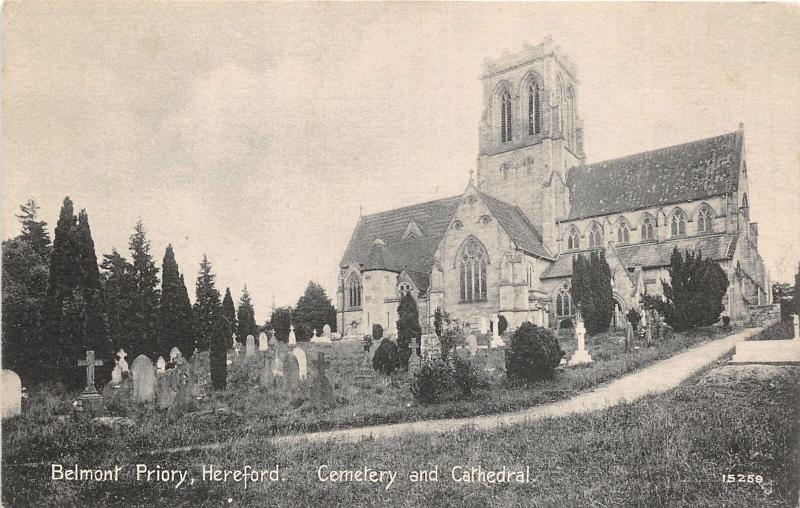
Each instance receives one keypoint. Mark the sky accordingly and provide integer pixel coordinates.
(255, 133)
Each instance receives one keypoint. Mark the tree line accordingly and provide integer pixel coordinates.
(58, 301)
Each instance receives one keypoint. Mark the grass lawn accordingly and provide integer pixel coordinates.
(668, 450)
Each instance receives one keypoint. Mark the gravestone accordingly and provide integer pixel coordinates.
(266, 379)
(165, 395)
(431, 347)
(322, 338)
(11, 402)
(292, 337)
(497, 340)
(472, 344)
(484, 326)
(581, 356)
(302, 363)
(181, 382)
(144, 379)
(123, 364)
(274, 343)
(628, 336)
(321, 388)
(174, 354)
(116, 374)
(90, 400)
(291, 370)
(200, 368)
(277, 366)
(263, 342)
(326, 332)
(251, 346)
(161, 365)
(413, 360)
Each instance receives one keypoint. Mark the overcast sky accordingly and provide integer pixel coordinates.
(253, 132)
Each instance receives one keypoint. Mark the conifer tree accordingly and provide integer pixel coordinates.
(206, 306)
(219, 349)
(34, 230)
(246, 321)
(144, 299)
(592, 292)
(175, 318)
(279, 322)
(408, 327)
(313, 311)
(229, 313)
(117, 281)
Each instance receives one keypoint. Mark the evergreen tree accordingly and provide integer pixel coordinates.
(313, 311)
(219, 352)
(279, 322)
(206, 305)
(144, 299)
(246, 320)
(229, 313)
(117, 281)
(592, 292)
(72, 316)
(33, 230)
(175, 317)
(407, 327)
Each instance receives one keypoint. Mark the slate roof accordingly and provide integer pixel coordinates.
(517, 225)
(675, 174)
(654, 254)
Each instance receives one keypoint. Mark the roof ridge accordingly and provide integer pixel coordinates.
(416, 205)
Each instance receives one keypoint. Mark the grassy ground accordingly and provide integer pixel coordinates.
(782, 330)
(667, 450)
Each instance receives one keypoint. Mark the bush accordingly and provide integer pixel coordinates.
(432, 379)
(633, 318)
(533, 354)
(502, 325)
(465, 374)
(408, 326)
(592, 292)
(385, 360)
(450, 338)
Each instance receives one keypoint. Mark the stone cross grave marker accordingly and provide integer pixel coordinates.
(581, 355)
(413, 360)
(497, 340)
(292, 337)
(90, 363)
(321, 389)
(11, 401)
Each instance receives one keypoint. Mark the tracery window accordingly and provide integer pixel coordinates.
(534, 111)
(623, 233)
(595, 236)
(573, 239)
(354, 292)
(505, 117)
(563, 302)
(704, 220)
(678, 223)
(472, 272)
(648, 228)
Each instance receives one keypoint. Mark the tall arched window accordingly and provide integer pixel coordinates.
(558, 117)
(595, 236)
(563, 302)
(354, 292)
(569, 117)
(529, 275)
(648, 228)
(534, 111)
(678, 223)
(745, 204)
(573, 239)
(623, 234)
(704, 220)
(505, 117)
(472, 272)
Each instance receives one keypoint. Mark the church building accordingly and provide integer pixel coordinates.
(505, 246)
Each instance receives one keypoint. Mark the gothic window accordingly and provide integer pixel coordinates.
(704, 220)
(648, 228)
(403, 289)
(354, 292)
(623, 234)
(534, 111)
(595, 236)
(563, 302)
(569, 117)
(678, 223)
(529, 275)
(505, 117)
(557, 116)
(472, 272)
(744, 201)
(573, 239)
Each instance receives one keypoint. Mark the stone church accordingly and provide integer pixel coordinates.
(505, 245)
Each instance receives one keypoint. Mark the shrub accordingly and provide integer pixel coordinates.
(533, 354)
(592, 292)
(450, 338)
(385, 360)
(407, 326)
(502, 325)
(432, 379)
(377, 332)
(633, 318)
(219, 353)
(465, 374)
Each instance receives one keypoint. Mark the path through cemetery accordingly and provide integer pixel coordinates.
(657, 378)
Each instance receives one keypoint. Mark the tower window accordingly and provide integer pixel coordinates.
(505, 117)
(534, 112)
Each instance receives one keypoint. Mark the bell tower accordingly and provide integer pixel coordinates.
(530, 132)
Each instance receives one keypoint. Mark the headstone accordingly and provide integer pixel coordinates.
(321, 389)
(581, 355)
(90, 363)
(181, 383)
(430, 347)
(413, 360)
(165, 395)
(628, 336)
(325, 337)
(472, 344)
(251, 346)
(292, 338)
(161, 365)
(266, 379)
(174, 353)
(326, 332)
(302, 362)
(497, 340)
(277, 366)
(11, 401)
(291, 370)
(144, 379)
(116, 374)
(484, 326)
(263, 342)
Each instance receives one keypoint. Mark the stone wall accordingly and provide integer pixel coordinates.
(764, 315)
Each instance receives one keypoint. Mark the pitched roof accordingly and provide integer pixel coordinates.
(517, 225)
(396, 254)
(675, 174)
(654, 254)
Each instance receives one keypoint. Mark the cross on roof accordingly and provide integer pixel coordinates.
(90, 363)
(321, 364)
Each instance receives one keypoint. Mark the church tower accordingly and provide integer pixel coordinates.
(530, 133)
